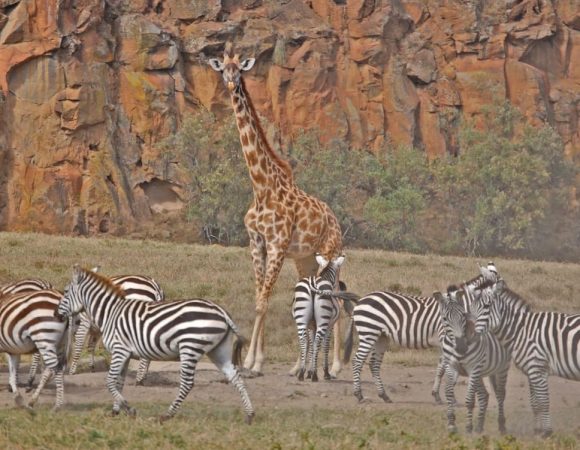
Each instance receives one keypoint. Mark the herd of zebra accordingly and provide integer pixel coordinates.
(480, 325)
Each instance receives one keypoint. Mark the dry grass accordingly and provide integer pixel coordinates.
(225, 275)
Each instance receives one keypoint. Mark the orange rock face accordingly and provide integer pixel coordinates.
(88, 88)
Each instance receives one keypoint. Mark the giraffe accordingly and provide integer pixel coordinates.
(282, 221)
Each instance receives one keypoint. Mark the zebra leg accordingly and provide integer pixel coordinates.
(499, 382)
(188, 360)
(303, 342)
(119, 362)
(221, 356)
(437, 382)
(94, 336)
(375, 364)
(80, 338)
(13, 363)
(32, 372)
(142, 371)
(483, 399)
(314, 362)
(325, 351)
(310, 352)
(366, 344)
(452, 376)
(540, 396)
(474, 387)
(59, 381)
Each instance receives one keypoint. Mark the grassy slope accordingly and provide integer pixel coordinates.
(225, 275)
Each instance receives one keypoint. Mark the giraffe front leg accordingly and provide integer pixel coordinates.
(336, 359)
(275, 258)
(258, 251)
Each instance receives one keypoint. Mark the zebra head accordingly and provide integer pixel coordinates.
(486, 309)
(71, 302)
(454, 319)
(230, 67)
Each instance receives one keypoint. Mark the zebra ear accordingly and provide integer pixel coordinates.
(321, 260)
(438, 296)
(76, 272)
(96, 269)
(340, 260)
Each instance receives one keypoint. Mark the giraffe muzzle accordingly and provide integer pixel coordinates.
(231, 85)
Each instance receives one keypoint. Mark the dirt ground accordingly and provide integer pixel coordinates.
(408, 387)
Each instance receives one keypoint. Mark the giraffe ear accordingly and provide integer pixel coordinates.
(216, 64)
(321, 260)
(247, 64)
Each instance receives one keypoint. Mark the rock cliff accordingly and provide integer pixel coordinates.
(89, 87)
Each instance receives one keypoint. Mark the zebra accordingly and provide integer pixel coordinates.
(27, 324)
(466, 292)
(316, 306)
(137, 287)
(181, 330)
(474, 355)
(17, 287)
(408, 320)
(542, 343)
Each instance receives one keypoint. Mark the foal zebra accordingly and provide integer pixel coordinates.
(136, 287)
(181, 330)
(542, 343)
(316, 306)
(17, 287)
(474, 355)
(27, 324)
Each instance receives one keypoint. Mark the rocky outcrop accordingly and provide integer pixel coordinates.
(88, 88)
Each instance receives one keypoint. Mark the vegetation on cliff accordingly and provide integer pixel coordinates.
(505, 192)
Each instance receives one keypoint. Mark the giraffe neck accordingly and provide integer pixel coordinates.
(267, 169)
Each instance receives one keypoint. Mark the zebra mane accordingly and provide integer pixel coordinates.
(513, 300)
(104, 281)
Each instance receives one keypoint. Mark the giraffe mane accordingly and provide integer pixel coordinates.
(280, 162)
(110, 286)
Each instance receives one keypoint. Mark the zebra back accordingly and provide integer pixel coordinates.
(139, 287)
(25, 285)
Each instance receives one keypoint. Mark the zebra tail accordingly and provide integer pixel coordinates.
(239, 342)
(349, 341)
(66, 346)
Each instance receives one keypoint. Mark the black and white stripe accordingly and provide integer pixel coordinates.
(315, 311)
(183, 330)
(474, 355)
(542, 343)
(136, 287)
(18, 287)
(27, 325)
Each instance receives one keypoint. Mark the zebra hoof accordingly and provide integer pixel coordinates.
(131, 412)
(10, 389)
(164, 418)
(314, 377)
(140, 383)
(327, 376)
(385, 398)
(452, 429)
(115, 412)
(358, 395)
(29, 388)
(19, 401)
(301, 375)
(249, 418)
(436, 397)
(56, 409)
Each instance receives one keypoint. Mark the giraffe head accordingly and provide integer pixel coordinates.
(231, 68)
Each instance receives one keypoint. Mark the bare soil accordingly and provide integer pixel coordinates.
(408, 387)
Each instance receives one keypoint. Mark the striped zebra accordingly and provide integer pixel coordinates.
(474, 355)
(17, 287)
(27, 324)
(410, 321)
(542, 343)
(136, 287)
(183, 330)
(316, 309)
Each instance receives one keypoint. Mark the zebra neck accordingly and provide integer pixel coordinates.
(103, 307)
